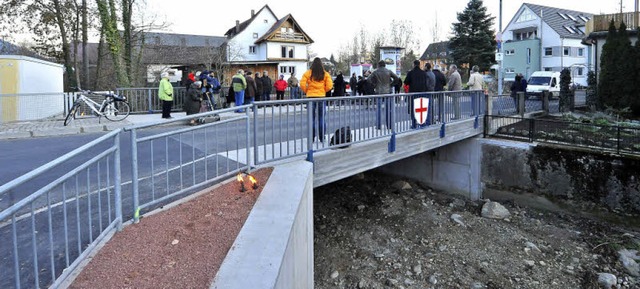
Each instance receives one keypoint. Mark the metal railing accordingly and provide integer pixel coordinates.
(172, 163)
(48, 231)
(618, 139)
(145, 99)
(57, 225)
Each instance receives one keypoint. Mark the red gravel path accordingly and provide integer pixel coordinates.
(181, 247)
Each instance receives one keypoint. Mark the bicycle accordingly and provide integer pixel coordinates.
(114, 107)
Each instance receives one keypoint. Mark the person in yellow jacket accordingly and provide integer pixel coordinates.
(165, 93)
(315, 83)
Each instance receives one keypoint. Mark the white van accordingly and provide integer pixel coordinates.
(540, 81)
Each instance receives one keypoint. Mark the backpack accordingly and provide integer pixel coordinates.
(341, 136)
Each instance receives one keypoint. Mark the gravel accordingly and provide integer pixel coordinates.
(376, 231)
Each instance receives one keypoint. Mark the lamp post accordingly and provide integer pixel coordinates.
(500, 51)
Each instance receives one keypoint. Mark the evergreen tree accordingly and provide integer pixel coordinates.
(473, 40)
(624, 84)
(608, 60)
(592, 91)
(566, 95)
(635, 100)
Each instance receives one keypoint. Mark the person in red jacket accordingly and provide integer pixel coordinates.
(280, 86)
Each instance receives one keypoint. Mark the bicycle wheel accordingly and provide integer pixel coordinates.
(72, 114)
(116, 111)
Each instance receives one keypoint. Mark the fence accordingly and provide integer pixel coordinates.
(60, 223)
(618, 139)
(54, 228)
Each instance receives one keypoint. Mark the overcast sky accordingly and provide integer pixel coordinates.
(333, 23)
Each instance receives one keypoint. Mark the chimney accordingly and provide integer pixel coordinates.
(253, 13)
(237, 26)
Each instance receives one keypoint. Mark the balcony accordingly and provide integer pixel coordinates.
(289, 36)
(601, 22)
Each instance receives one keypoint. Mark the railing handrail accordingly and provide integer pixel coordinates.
(52, 164)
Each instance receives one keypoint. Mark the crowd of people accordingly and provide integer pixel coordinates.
(203, 88)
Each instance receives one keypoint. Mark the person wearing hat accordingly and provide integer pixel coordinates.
(165, 93)
(280, 86)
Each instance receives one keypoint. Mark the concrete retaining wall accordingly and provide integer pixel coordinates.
(453, 168)
(274, 249)
(559, 173)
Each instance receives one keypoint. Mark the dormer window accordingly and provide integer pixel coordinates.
(563, 16)
(571, 16)
(266, 21)
(255, 35)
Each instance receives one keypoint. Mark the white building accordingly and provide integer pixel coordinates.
(266, 42)
(548, 39)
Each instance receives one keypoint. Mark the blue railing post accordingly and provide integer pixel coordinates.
(310, 129)
(392, 108)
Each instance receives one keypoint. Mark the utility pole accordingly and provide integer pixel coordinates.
(500, 51)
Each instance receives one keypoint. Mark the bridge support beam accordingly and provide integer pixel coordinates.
(454, 168)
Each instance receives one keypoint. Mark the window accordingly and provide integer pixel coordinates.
(569, 29)
(563, 16)
(287, 52)
(266, 21)
(287, 69)
(580, 51)
(547, 69)
(509, 70)
(255, 35)
(585, 19)
(252, 49)
(526, 15)
(580, 71)
(548, 51)
(510, 52)
(566, 51)
(572, 18)
(528, 55)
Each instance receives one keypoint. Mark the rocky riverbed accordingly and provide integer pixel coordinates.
(376, 231)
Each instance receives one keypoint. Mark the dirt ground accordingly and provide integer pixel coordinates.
(179, 247)
(375, 231)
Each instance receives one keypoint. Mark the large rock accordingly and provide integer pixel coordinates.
(607, 280)
(494, 210)
(628, 259)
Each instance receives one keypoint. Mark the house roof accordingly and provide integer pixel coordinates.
(232, 31)
(435, 48)
(188, 40)
(279, 23)
(562, 21)
(242, 26)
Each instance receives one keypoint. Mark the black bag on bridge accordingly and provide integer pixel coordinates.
(341, 136)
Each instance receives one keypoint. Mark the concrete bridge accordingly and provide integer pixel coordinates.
(161, 163)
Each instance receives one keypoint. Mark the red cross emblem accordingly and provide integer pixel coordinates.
(420, 109)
